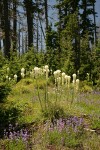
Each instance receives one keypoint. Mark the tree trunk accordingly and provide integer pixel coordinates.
(19, 39)
(14, 38)
(37, 39)
(95, 33)
(6, 30)
(46, 13)
(29, 13)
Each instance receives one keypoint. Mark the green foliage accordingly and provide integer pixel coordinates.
(27, 81)
(95, 58)
(25, 108)
(24, 90)
(7, 115)
(53, 112)
(54, 138)
(51, 80)
(3, 72)
(11, 144)
(2, 60)
(68, 67)
(4, 91)
(97, 86)
(3, 66)
(86, 86)
(61, 133)
(52, 41)
(14, 65)
(31, 59)
(96, 124)
(41, 84)
(69, 43)
(92, 141)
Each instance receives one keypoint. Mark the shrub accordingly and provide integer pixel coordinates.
(4, 91)
(7, 115)
(86, 86)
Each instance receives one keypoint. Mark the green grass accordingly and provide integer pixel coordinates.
(25, 97)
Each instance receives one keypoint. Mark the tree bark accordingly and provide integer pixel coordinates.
(14, 39)
(29, 13)
(6, 30)
(46, 13)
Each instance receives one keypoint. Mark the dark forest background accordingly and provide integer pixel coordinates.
(30, 36)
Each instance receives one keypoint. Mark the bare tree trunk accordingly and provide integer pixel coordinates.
(59, 35)
(46, 13)
(19, 39)
(29, 13)
(0, 45)
(37, 39)
(14, 39)
(26, 42)
(95, 33)
(1, 16)
(6, 30)
(22, 43)
(41, 27)
(41, 43)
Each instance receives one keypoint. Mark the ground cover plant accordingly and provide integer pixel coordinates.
(49, 110)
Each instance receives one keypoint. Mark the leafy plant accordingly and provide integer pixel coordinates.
(67, 132)
(53, 112)
(4, 91)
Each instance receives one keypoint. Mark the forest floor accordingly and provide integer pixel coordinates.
(42, 117)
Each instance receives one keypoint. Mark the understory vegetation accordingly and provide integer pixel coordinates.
(47, 109)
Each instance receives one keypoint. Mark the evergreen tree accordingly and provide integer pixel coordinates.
(29, 12)
(87, 24)
(69, 30)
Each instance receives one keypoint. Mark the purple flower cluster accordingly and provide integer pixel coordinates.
(14, 134)
(71, 123)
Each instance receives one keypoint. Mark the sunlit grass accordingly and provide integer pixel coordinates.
(24, 96)
(62, 102)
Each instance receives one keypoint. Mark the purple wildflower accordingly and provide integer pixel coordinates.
(11, 135)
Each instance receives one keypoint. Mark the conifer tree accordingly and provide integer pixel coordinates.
(29, 12)
(87, 24)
